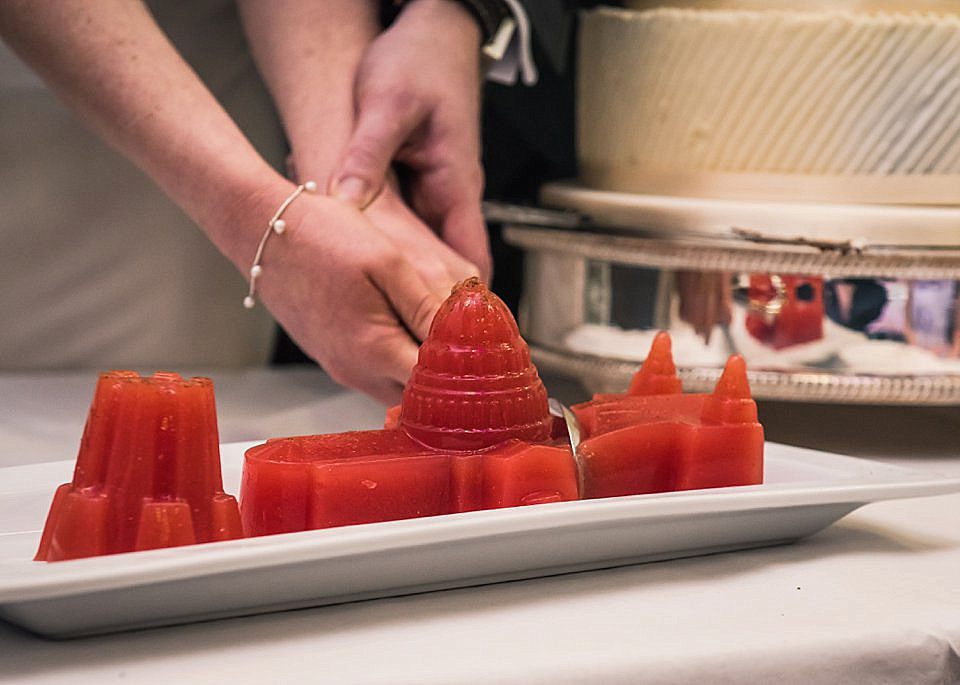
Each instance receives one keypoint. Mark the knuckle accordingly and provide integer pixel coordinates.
(395, 97)
(391, 261)
(434, 271)
(362, 157)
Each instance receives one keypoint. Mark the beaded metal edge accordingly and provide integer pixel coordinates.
(914, 263)
(607, 374)
(603, 374)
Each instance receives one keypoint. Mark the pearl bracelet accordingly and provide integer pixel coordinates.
(278, 226)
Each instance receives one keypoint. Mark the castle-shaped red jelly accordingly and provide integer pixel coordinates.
(147, 473)
(656, 439)
(473, 432)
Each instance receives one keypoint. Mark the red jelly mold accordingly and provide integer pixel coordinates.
(322, 481)
(785, 310)
(473, 432)
(638, 443)
(474, 384)
(147, 473)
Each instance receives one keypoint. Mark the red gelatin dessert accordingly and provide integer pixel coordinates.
(147, 473)
(473, 432)
(785, 310)
(654, 438)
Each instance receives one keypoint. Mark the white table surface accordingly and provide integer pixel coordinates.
(874, 598)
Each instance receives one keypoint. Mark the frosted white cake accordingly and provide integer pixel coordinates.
(749, 99)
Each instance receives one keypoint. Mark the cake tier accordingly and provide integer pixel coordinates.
(857, 6)
(825, 105)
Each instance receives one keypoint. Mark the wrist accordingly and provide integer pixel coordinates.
(242, 204)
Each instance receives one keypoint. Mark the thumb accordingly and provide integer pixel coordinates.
(380, 131)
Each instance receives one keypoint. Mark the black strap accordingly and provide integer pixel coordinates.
(489, 14)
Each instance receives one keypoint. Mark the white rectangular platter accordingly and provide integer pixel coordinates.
(804, 491)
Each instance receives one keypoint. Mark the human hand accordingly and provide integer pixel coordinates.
(438, 264)
(704, 300)
(417, 95)
(348, 296)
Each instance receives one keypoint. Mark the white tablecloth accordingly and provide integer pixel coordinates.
(874, 598)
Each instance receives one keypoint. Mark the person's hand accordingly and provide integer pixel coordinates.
(347, 295)
(417, 95)
(438, 264)
(704, 300)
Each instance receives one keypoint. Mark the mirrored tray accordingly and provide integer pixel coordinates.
(816, 319)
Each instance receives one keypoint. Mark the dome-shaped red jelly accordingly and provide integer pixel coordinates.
(474, 385)
(642, 442)
(147, 473)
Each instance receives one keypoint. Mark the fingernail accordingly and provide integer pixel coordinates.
(353, 191)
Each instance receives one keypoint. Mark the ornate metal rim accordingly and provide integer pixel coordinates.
(603, 374)
(910, 264)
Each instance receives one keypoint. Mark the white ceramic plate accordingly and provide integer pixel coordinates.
(804, 492)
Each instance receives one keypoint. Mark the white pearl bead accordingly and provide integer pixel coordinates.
(310, 186)
(249, 302)
(255, 270)
(279, 226)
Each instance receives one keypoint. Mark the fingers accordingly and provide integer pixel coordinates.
(384, 123)
(413, 301)
(393, 358)
(437, 263)
(705, 300)
(389, 392)
(448, 197)
(465, 230)
(726, 299)
(379, 355)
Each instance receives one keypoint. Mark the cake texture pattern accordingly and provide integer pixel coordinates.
(772, 103)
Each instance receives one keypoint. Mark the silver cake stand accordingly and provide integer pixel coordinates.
(608, 270)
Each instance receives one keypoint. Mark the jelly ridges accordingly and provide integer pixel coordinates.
(639, 442)
(474, 385)
(473, 432)
(147, 473)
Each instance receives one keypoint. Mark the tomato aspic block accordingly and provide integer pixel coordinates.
(655, 438)
(310, 482)
(472, 432)
(147, 472)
